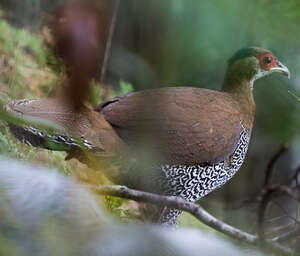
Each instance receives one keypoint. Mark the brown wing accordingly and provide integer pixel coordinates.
(189, 125)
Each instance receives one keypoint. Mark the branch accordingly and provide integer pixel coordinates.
(194, 209)
(282, 149)
(109, 40)
(295, 176)
(286, 236)
(269, 171)
(266, 197)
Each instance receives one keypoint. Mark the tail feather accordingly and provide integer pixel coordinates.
(83, 129)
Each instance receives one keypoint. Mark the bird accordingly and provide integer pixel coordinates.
(195, 139)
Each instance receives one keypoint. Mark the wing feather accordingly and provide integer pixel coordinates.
(188, 125)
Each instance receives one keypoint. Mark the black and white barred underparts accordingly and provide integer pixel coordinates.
(36, 138)
(193, 182)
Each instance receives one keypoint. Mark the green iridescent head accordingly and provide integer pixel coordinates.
(249, 64)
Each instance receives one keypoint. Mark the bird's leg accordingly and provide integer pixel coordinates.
(169, 217)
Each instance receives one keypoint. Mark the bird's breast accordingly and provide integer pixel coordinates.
(192, 182)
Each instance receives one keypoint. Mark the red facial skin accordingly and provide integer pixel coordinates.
(267, 61)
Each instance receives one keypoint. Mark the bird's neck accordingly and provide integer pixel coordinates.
(241, 91)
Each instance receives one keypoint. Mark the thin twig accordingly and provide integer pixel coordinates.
(295, 177)
(194, 209)
(269, 171)
(286, 212)
(286, 236)
(109, 40)
(266, 197)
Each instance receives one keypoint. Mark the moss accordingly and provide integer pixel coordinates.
(114, 207)
(24, 63)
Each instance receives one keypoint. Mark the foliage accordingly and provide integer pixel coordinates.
(24, 63)
(295, 96)
(125, 88)
(115, 206)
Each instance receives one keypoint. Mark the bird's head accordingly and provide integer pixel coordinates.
(249, 64)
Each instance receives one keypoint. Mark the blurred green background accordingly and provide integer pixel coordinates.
(187, 43)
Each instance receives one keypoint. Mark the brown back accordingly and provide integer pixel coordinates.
(186, 125)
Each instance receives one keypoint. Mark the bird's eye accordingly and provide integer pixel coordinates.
(268, 60)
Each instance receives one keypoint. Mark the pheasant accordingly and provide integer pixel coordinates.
(199, 136)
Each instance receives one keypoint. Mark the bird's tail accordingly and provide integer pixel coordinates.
(84, 134)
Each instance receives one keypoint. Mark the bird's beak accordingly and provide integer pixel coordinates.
(281, 69)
